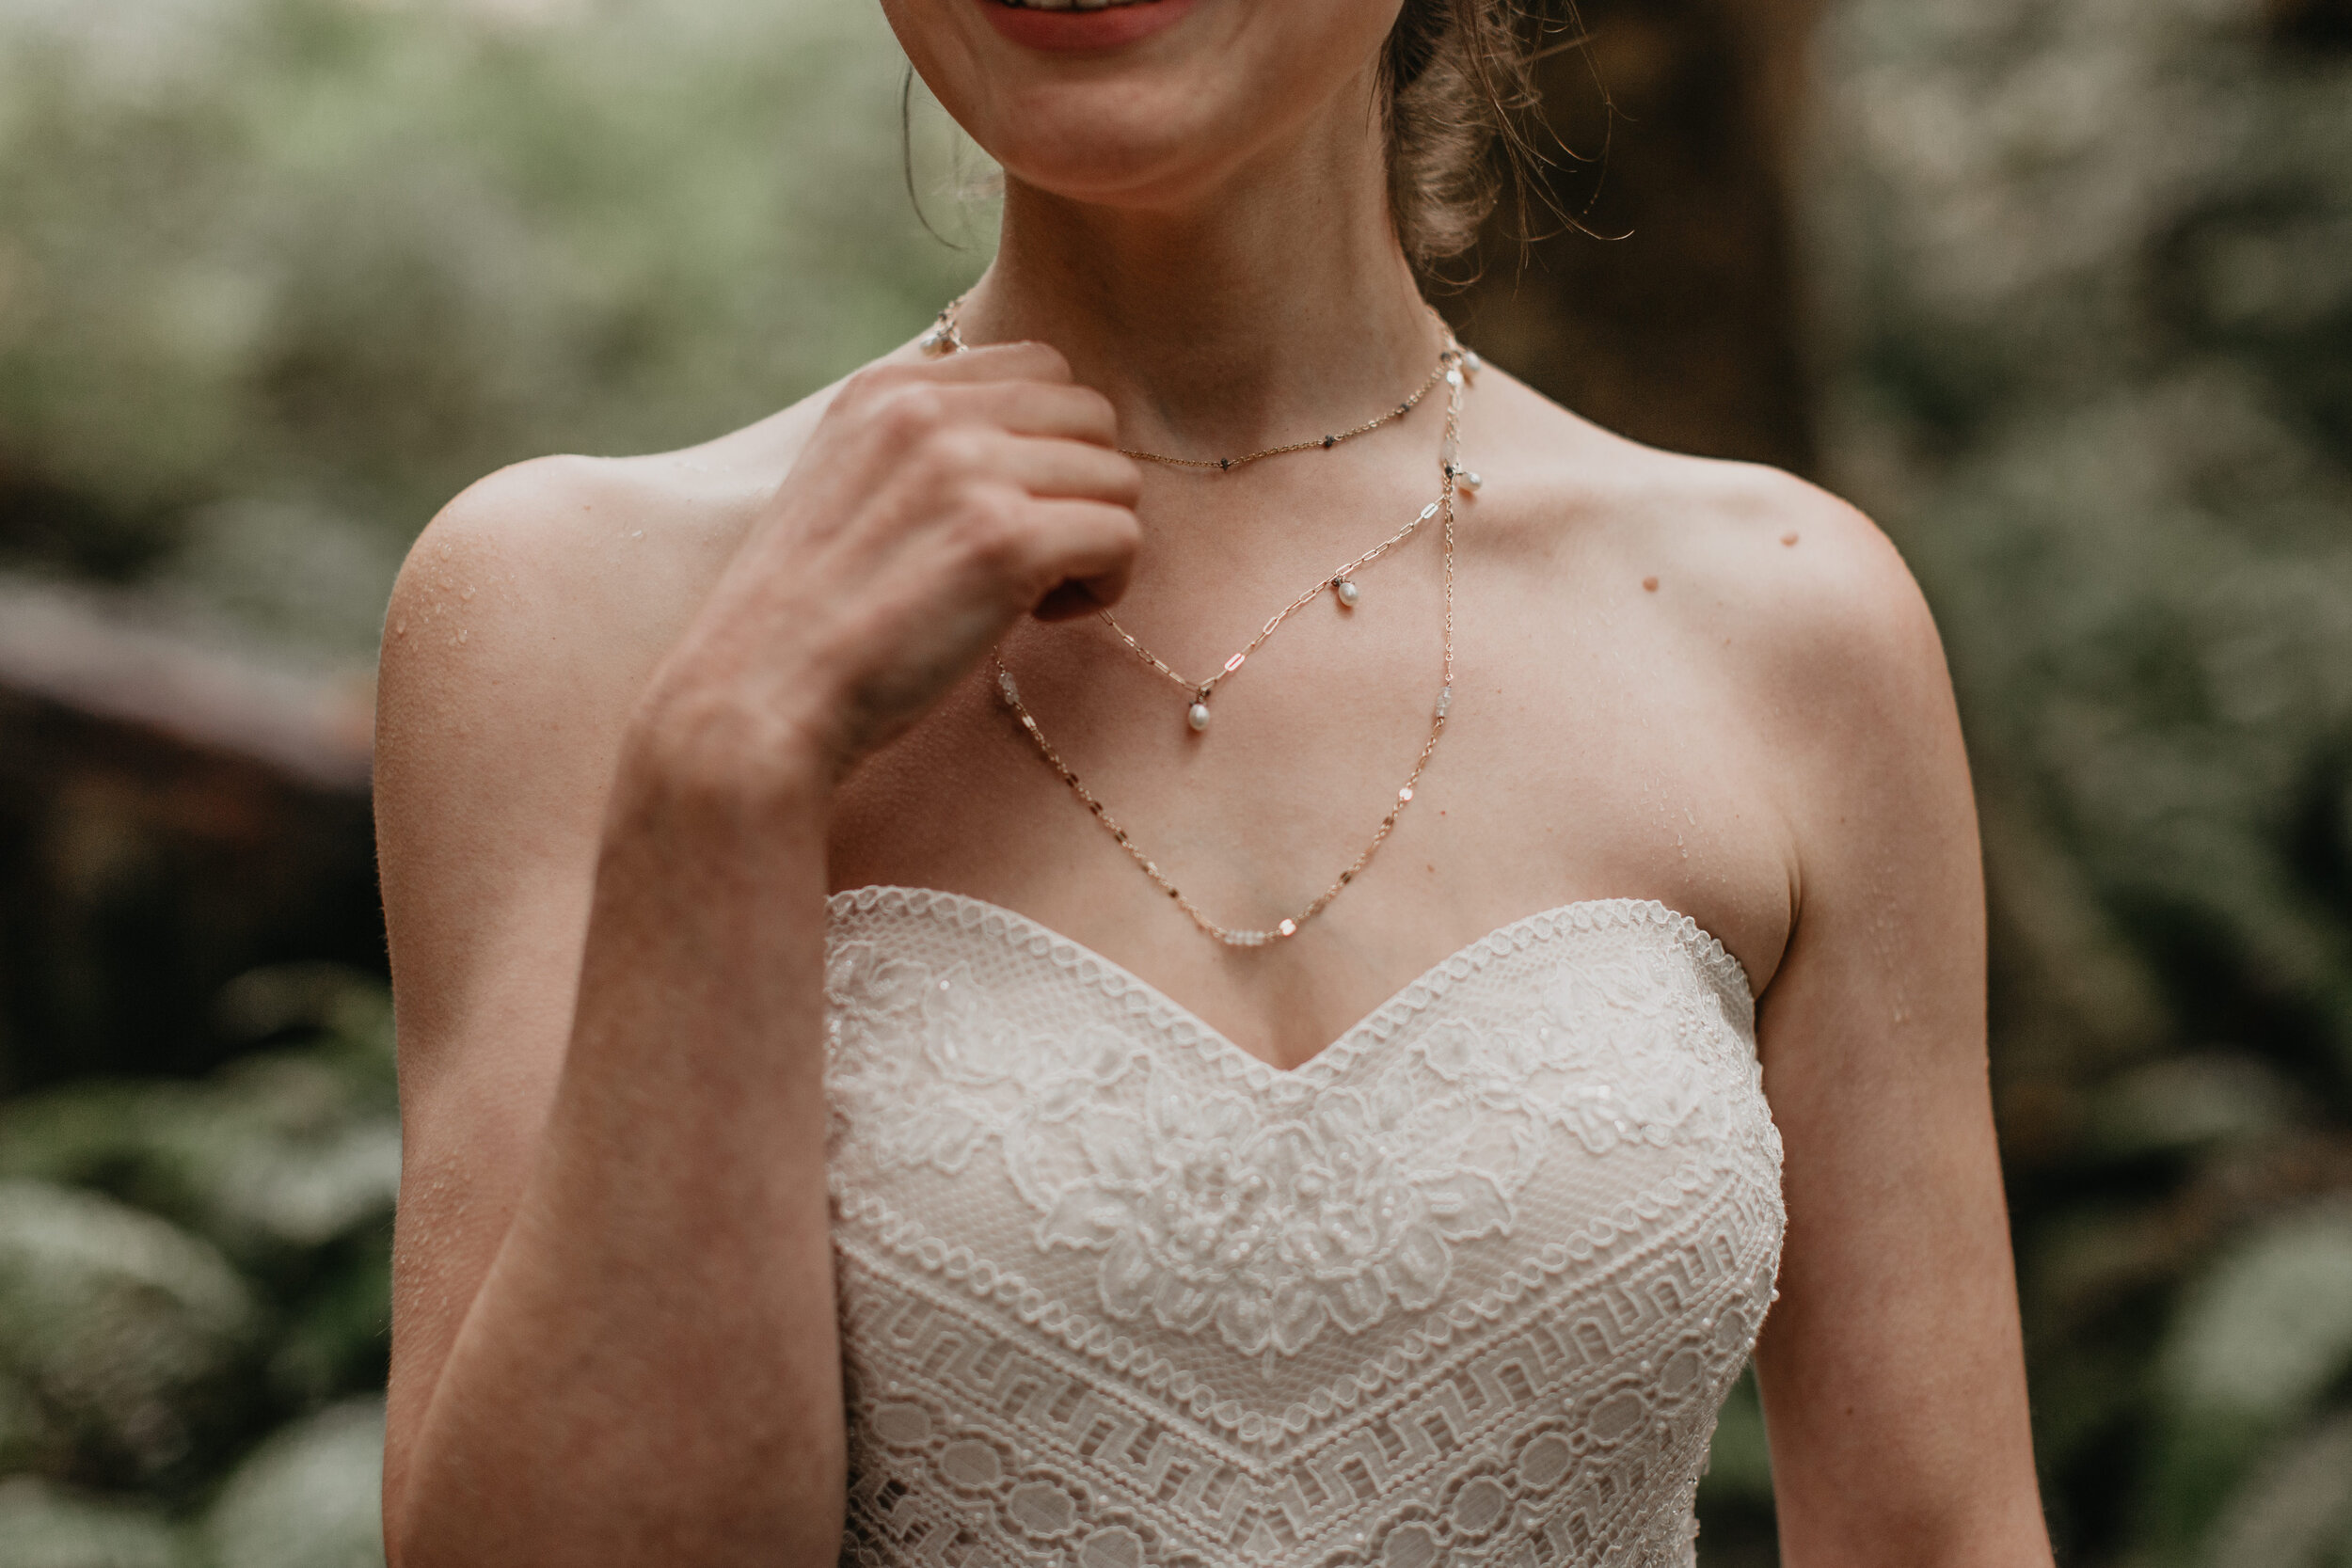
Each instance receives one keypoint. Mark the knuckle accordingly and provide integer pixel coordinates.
(956, 448)
(907, 412)
(945, 458)
(870, 384)
(989, 528)
(1127, 480)
(1054, 362)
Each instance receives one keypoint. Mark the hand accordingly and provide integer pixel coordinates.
(933, 505)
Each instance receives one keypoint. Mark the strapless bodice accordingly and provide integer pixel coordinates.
(1466, 1288)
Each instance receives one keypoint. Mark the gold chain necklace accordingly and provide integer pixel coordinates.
(1442, 508)
(946, 337)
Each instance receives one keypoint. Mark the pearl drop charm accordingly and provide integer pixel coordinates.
(1348, 592)
(1198, 717)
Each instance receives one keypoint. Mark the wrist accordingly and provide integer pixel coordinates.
(711, 764)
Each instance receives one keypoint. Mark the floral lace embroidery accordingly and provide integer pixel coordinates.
(1231, 1225)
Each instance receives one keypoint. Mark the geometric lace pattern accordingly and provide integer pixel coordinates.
(1466, 1288)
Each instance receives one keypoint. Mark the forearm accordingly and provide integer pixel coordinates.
(650, 1371)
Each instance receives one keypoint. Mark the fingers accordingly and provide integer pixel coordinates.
(1087, 551)
(1039, 363)
(910, 410)
(1037, 408)
(998, 363)
(1066, 469)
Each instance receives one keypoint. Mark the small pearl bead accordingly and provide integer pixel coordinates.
(1348, 592)
(1198, 716)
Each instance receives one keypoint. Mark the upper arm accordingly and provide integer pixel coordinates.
(1891, 1366)
(501, 701)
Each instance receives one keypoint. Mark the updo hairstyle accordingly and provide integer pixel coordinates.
(1460, 91)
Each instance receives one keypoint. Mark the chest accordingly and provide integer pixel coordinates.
(1575, 764)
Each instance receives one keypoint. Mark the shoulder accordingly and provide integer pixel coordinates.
(546, 579)
(523, 629)
(1777, 590)
(1773, 625)
(1799, 589)
(1825, 674)
(544, 592)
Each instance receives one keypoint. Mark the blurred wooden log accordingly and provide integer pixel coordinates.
(171, 814)
(1684, 331)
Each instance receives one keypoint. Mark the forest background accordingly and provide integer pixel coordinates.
(2059, 290)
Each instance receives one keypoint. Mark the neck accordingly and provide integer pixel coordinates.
(1276, 302)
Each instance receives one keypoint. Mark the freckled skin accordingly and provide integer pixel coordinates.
(637, 716)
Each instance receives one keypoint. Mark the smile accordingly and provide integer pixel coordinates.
(1082, 26)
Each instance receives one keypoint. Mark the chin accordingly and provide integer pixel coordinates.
(1146, 102)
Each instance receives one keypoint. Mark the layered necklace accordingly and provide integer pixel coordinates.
(1453, 370)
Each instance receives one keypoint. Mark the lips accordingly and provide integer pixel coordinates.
(1081, 26)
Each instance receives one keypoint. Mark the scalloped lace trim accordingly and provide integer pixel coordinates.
(1114, 979)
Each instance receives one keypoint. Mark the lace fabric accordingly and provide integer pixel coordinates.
(1467, 1287)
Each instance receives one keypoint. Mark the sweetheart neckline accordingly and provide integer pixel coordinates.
(1334, 1056)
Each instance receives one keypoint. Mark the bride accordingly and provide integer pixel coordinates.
(1179, 926)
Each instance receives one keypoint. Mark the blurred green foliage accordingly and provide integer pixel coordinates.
(2084, 272)
(279, 277)
(195, 1297)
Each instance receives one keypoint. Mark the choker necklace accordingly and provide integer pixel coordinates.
(1452, 479)
(946, 337)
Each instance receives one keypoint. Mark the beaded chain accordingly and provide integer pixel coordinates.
(946, 336)
(1454, 367)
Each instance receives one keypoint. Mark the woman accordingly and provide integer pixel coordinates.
(1274, 1272)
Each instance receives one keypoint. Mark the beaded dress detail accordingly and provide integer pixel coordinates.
(1465, 1288)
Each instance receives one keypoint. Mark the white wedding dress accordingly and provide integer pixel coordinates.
(1466, 1288)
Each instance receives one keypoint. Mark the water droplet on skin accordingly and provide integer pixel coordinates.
(641, 534)
(461, 637)
(465, 593)
(1788, 538)
(1649, 585)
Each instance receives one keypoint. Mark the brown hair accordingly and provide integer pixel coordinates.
(1460, 93)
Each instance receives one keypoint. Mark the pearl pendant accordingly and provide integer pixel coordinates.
(1198, 717)
(1348, 592)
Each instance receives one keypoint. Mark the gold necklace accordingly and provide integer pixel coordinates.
(945, 336)
(1452, 363)
(1243, 937)
(1342, 585)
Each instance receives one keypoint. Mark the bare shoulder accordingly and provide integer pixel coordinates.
(1779, 590)
(545, 577)
(524, 624)
(537, 601)
(1773, 626)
